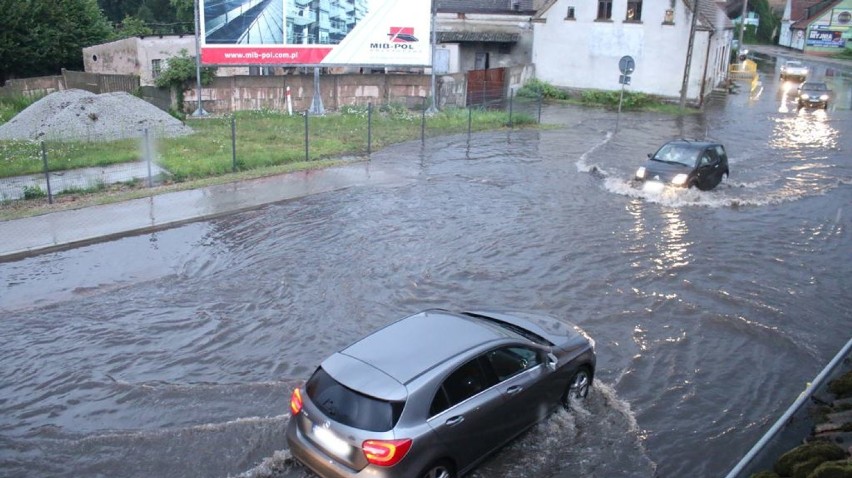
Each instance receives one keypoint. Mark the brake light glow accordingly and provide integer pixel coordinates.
(296, 402)
(385, 452)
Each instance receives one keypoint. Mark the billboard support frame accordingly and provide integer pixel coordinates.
(433, 40)
(316, 102)
(200, 110)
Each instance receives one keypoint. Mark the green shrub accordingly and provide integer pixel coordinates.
(803, 469)
(765, 474)
(833, 469)
(803, 453)
(630, 101)
(535, 88)
(14, 104)
(34, 192)
(842, 386)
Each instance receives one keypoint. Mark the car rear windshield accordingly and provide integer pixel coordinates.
(349, 407)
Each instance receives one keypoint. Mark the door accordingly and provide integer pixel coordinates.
(466, 414)
(485, 87)
(520, 372)
(708, 169)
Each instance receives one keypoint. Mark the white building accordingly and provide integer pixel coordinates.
(578, 44)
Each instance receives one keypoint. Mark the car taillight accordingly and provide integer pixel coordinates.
(296, 402)
(385, 452)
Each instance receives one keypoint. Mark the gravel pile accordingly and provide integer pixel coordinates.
(81, 115)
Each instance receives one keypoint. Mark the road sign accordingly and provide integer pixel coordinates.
(624, 80)
(626, 65)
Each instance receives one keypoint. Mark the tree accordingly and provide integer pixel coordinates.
(184, 11)
(180, 71)
(40, 37)
(117, 10)
(769, 21)
(133, 27)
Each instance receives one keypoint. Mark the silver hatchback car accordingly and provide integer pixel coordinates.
(433, 394)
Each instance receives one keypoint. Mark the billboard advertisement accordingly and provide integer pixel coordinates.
(315, 32)
(826, 38)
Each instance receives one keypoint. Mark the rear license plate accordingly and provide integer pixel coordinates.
(330, 441)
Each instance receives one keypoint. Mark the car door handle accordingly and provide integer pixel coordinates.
(514, 389)
(455, 421)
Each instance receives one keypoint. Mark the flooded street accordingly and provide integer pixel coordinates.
(173, 353)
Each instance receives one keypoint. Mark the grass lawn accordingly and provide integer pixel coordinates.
(262, 139)
(265, 143)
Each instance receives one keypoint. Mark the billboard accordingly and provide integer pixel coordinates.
(826, 38)
(315, 32)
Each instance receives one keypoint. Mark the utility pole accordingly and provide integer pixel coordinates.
(685, 84)
(742, 25)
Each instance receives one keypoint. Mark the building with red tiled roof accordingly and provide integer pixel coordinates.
(818, 27)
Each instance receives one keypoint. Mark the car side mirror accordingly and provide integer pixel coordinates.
(551, 361)
(649, 155)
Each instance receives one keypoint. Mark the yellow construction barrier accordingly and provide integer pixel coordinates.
(745, 70)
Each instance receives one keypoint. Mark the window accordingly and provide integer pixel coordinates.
(634, 11)
(349, 407)
(465, 382)
(569, 15)
(509, 361)
(156, 68)
(604, 9)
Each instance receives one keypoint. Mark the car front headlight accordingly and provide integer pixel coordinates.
(640, 173)
(805, 96)
(824, 97)
(679, 180)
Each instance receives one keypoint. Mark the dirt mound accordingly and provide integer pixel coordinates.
(80, 115)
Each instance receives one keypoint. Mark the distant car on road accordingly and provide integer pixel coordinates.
(794, 70)
(431, 395)
(685, 163)
(813, 94)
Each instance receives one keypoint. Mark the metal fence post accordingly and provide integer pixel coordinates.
(369, 128)
(148, 156)
(540, 95)
(469, 120)
(423, 124)
(234, 144)
(307, 148)
(46, 173)
(511, 98)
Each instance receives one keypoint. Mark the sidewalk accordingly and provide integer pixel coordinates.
(22, 237)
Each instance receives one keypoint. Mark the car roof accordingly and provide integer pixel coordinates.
(693, 143)
(411, 346)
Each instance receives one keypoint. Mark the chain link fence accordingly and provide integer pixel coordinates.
(68, 165)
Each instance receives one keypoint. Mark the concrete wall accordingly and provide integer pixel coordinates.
(115, 58)
(584, 53)
(40, 86)
(237, 93)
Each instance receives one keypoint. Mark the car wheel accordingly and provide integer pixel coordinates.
(578, 387)
(440, 469)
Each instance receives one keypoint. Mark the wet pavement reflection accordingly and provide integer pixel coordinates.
(173, 353)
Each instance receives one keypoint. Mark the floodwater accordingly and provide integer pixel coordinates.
(173, 353)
